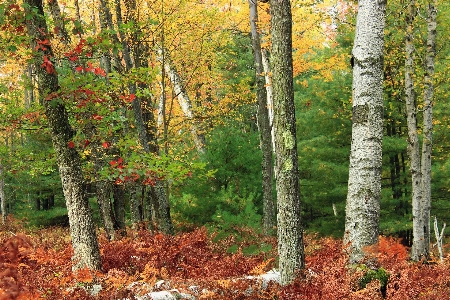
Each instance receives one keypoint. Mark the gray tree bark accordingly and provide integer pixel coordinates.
(119, 206)
(428, 119)
(364, 184)
(413, 137)
(59, 22)
(103, 192)
(136, 205)
(2, 195)
(82, 227)
(420, 161)
(290, 235)
(269, 90)
(269, 212)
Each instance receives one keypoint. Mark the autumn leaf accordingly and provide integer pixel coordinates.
(105, 145)
(71, 144)
(99, 71)
(129, 98)
(48, 65)
(97, 117)
(84, 275)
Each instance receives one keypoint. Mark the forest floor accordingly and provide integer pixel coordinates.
(36, 264)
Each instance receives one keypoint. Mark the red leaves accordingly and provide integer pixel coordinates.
(42, 45)
(72, 57)
(97, 117)
(106, 145)
(100, 72)
(128, 99)
(48, 65)
(42, 262)
(90, 68)
(71, 144)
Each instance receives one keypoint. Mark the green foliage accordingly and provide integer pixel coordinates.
(56, 216)
(232, 177)
(235, 212)
(370, 275)
(323, 134)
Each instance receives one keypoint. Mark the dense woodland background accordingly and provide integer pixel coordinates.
(215, 183)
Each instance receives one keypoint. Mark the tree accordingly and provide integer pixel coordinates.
(428, 118)
(364, 183)
(290, 239)
(420, 161)
(82, 227)
(183, 98)
(264, 127)
(2, 195)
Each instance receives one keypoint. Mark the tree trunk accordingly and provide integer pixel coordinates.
(103, 191)
(29, 86)
(269, 212)
(420, 164)
(364, 183)
(37, 203)
(428, 118)
(82, 227)
(183, 98)
(119, 206)
(290, 239)
(269, 90)
(147, 138)
(418, 249)
(2, 195)
(136, 205)
(59, 22)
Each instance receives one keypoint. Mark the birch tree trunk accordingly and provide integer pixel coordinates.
(428, 120)
(413, 137)
(420, 162)
(269, 90)
(2, 195)
(290, 235)
(183, 98)
(364, 183)
(269, 211)
(82, 227)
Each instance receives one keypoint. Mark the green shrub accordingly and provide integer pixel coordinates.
(370, 275)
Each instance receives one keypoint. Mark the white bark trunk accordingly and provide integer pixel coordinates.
(2, 195)
(439, 238)
(264, 125)
(420, 165)
(269, 90)
(364, 185)
(183, 98)
(428, 122)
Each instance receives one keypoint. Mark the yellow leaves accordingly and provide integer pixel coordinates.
(150, 274)
(225, 283)
(261, 268)
(303, 83)
(164, 273)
